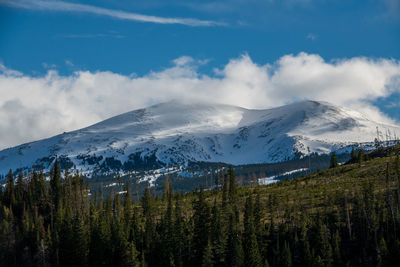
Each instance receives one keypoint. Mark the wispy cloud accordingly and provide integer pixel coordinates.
(311, 36)
(69, 63)
(234, 6)
(117, 14)
(393, 7)
(48, 66)
(91, 35)
(8, 72)
(393, 105)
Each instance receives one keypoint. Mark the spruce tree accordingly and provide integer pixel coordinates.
(252, 255)
(217, 181)
(207, 260)
(149, 231)
(131, 256)
(166, 229)
(79, 242)
(201, 230)
(232, 185)
(179, 233)
(55, 184)
(397, 169)
(354, 157)
(360, 155)
(9, 195)
(127, 207)
(334, 161)
(258, 225)
(383, 252)
(20, 189)
(337, 258)
(225, 188)
(286, 256)
(324, 248)
(218, 236)
(234, 253)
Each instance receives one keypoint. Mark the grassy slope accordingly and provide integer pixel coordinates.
(324, 191)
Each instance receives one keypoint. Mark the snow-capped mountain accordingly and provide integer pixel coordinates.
(175, 133)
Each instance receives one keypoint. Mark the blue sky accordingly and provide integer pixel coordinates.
(33, 38)
(181, 43)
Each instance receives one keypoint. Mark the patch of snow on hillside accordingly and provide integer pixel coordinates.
(272, 179)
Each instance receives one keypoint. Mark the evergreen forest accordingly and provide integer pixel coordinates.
(347, 215)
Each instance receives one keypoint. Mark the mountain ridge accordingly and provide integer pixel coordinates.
(175, 133)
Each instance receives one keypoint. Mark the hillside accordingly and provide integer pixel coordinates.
(348, 215)
(175, 134)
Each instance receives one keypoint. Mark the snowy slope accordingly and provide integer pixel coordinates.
(174, 133)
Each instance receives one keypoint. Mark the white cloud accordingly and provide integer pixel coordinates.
(38, 107)
(393, 7)
(311, 36)
(91, 35)
(118, 14)
(69, 63)
(184, 60)
(49, 66)
(9, 72)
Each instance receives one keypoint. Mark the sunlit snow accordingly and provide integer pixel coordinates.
(176, 133)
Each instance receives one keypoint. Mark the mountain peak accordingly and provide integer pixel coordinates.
(177, 132)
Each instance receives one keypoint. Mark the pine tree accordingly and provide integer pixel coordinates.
(8, 253)
(252, 255)
(397, 169)
(377, 143)
(207, 260)
(334, 161)
(41, 256)
(353, 155)
(166, 186)
(232, 185)
(20, 188)
(179, 234)
(124, 252)
(166, 229)
(360, 155)
(100, 240)
(127, 208)
(117, 207)
(55, 184)
(131, 256)
(258, 225)
(149, 230)
(383, 252)
(337, 259)
(286, 256)
(9, 195)
(201, 230)
(324, 248)
(225, 188)
(67, 183)
(217, 181)
(178, 244)
(79, 242)
(307, 257)
(218, 236)
(234, 253)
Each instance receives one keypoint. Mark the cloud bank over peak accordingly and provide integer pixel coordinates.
(37, 107)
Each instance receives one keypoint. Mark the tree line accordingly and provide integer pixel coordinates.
(347, 215)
